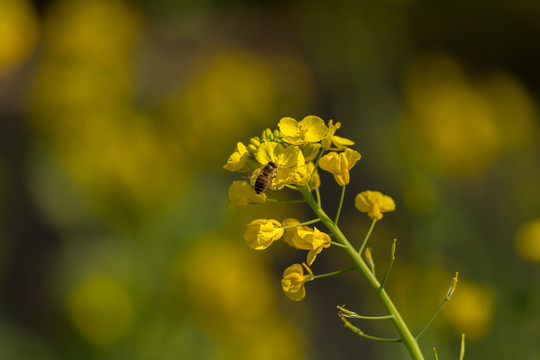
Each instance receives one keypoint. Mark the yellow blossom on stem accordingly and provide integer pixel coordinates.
(310, 239)
(374, 204)
(338, 141)
(238, 160)
(241, 194)
(291, 166)
(261, 233)
(293, 282)
(311, 129)
(339, 164)
(290, 232)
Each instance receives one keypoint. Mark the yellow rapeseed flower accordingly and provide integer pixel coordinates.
(311, 129)
(290, 232)
(315, 241)
(238, 161)
(261, 233)
(339, 164)
(241, 194)
(293, 282)
(338, 141)
(374, 204)
(291, 166)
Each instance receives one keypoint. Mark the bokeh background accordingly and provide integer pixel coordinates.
(116, 117)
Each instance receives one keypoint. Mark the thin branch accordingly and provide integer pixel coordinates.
(301, 224)
(447, 297)
(286, 201)
(392, 258)
(351, 314)
(367, 236)
(340, 205)
(359, 332)
(333, 273)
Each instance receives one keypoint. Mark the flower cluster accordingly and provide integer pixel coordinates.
(296, 148)
(289, 157)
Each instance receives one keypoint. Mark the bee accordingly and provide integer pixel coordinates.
(265, 176)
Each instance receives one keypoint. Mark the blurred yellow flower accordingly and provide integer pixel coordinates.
(374, 204)
(470, 310)
(338, 141)
(460, 125)
(339, 164)
(528, 241)
(101, 309)
(213, 274)
(315, 241)
(309, 130)
(18, 32)
(241, 194)
(293, 282)
(261, 233)
(290, 161)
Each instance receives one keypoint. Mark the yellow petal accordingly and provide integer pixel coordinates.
(352, 157)
(341, 142)
(330, 162)
(265, 152)
(293, 281)
(238, 160)
(289, 127)
(374, 204)
(241, 194)
(312, 254)
(315, 129)
(289, 233)
(261, 233)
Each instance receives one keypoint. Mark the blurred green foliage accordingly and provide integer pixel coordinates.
(117, 116)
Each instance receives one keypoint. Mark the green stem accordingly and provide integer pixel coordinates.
(435, 354)
(367, 235)
(462, 350)
(317, 192)
(333, 273)
(361, 333)
(340, 204)
(286, 201)
(337, 244)
(406, 337)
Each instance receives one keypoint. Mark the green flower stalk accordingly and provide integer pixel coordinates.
(296, 151)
